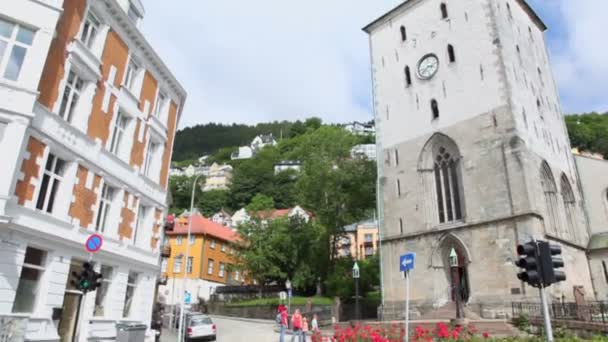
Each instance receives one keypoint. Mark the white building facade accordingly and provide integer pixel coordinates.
(474, 153)
(88, 113)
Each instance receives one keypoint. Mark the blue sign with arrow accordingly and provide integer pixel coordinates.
(406, 261)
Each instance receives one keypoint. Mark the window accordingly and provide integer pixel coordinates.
(132, 72)
(236, 275)
(408, 76)
(105, 204)
(133, 14)
(231, 250)
(152, 147)
(222, 270)
(435, 109)
(210, 266)
(398, 188)
(189, 265)
(550, 192)
(14, 42)
(369, 238)
(71, 94)
(212, 244)
(131, 284)
(451, 55)
(102, 291)
(447, 185)
(223, 249)
(192, 239)
(396, 157)
(160, 104)
(89, 30)
(53, 175)
(177, 264)
(141, 222)
(403, 33)
(444, 11)
(369, 251)
(530, 32)
(570, 206)
(518, 54)
(540, 76)
(401, 225)
(29, 280)
(120, 126)
(509, 10)
(178, 240)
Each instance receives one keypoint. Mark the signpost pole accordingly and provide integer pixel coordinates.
(543, 300)
(407, 306)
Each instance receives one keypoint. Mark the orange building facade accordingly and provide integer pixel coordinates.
(88, 113)
(212, 255)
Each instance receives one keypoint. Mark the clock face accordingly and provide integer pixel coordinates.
(428, 66)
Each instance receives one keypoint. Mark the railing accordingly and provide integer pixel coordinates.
(594, 312)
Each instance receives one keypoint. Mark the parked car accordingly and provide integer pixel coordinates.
(200, 328)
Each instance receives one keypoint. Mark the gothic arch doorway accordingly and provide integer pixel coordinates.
(459, 274)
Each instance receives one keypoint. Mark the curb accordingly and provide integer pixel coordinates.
(244, 319)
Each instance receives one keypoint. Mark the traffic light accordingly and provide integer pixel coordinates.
(87, 280)
(528, 261)
(551, 262)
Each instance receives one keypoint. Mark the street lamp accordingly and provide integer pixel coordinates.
(288, 287)
(184, 288)
(356, 277)
(457, 290)
(174, 306)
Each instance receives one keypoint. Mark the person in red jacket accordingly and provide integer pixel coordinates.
(296, 323)
(284, 323)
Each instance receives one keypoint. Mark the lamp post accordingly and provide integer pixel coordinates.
(457, 290)
(288, 287)
(356, 277)
(181, 314)
(173, 305)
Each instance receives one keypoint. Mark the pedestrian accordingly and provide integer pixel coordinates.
(304, 329)
(284, 324)
(315, 324)
(296, 323)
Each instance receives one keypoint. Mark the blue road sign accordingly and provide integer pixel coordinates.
(406, 261)
(187, 298)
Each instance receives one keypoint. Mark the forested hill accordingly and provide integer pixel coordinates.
(589, 132)
(193, 142)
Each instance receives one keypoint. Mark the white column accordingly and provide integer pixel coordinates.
(12, 146)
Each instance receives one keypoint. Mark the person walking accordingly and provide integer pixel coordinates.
(296, 324)
(304, 329)
(315, 324)
(284, 324)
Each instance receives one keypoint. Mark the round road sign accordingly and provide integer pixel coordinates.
(93, 243)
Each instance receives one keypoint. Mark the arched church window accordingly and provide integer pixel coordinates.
(550, 195)
(447, 185)
(435, 109)
(408, 76)
(403, 34)
(570, 206)
(451, 55)
(444, 11)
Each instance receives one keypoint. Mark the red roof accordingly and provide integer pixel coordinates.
(203, 225)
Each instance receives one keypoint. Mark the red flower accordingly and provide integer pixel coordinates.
(486, 335)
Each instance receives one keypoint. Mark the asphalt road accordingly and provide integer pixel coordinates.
(235, 330)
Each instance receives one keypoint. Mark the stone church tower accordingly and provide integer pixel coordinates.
(473, 153)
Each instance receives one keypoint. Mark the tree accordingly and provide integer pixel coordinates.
(340, 282)
(589, 132)
(210, 202)
(313, 123)
(260, 202)
(181, 192)
(253, 176)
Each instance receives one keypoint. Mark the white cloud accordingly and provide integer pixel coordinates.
(252, 61)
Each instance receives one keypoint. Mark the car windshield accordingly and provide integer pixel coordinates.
(200, 321)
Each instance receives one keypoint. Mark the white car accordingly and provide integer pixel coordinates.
(200, 328)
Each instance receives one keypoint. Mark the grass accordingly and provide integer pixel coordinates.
(277, 301)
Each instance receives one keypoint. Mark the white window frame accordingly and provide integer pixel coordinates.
(210, 265)
(177, 264)
(72, 89)
(192, 239)
(179, 240)
(119, 132)
(10, 43)
(189, 263)
(91, 27)
(160, 104)
(150, 157)
(40, 268)
(223, 249)
(107, 281)
(55, 180)
(104, 208)
(142, 215)
(127, 307)
(221, 270)
(212, 244)
(133, 70)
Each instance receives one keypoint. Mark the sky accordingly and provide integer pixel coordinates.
(265, 60)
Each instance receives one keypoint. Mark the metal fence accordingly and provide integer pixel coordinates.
(595, 312)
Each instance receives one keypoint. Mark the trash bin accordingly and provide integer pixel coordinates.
(130, 332)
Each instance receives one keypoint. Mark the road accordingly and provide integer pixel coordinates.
(234, 330)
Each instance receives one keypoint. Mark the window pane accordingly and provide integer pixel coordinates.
(49, 208)
(6, 28)
(25, 298)
(34, 256)
(439, 195)
(43, 189)
(456, 190)
(25, 36)
(60, 167)
(15, 62)
(448, 193)
(2, 49)
(132, 278)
